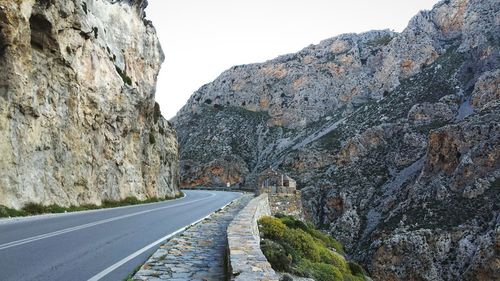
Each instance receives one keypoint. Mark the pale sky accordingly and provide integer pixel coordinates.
(202, 38)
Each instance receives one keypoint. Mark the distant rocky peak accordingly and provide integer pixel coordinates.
(341, 73)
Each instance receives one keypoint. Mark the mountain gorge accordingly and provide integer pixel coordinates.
(393, 138)
(78, 120)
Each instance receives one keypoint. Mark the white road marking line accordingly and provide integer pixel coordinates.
(135, 254)
(144, 249)
(14, 220)
(75, 228)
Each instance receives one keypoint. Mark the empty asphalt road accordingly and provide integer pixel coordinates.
(97, 245)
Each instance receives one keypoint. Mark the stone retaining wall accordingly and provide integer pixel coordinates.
(246, 260)
(287, 204)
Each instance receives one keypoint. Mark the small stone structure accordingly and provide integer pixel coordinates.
(284, 198)
(246, 260)
(271, 181)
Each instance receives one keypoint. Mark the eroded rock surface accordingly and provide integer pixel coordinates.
(78, 120)
(393, 137)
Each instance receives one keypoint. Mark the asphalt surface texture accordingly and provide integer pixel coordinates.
(95, 245)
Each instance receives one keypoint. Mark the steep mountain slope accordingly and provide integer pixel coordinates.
(78, 121)
(393, 137)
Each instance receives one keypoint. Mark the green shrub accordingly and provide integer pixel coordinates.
(84, 207)
(303, 268)
(318, 271)
(33, 209)
(54, 209)
(294, 254)
(356, 269)
(303, 243)
(272, 228)
(330, 257)
(291, 245)
(293, 223)
(131, 200)
(326, 272)
(8, 212)
(326, 239)
(127, 80)
(276, 255)
(334, 244)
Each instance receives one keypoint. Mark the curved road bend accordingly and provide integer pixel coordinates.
(97, 245)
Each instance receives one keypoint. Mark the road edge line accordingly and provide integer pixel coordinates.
(91, 224)
(113, 267)
(55, 215)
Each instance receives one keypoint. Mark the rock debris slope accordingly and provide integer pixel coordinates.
(394, 138)
(78, 120)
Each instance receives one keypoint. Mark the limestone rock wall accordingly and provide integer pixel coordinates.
(78, 120)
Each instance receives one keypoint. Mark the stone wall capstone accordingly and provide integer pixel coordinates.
(246, 260)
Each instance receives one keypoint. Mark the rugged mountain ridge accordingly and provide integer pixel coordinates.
(393, 136)
(78, 120)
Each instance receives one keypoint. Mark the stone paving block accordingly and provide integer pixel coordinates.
(196, 254)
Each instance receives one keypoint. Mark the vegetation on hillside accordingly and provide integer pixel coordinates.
(38, 209)
(293, 246)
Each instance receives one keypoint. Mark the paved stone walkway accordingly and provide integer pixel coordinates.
(198, 254)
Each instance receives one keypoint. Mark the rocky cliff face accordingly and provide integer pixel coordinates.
(394, 138)
(78, 120)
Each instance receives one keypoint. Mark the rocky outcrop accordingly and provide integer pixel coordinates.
(78, 120)
(448, 215)
(393, 138)
(486, 91)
